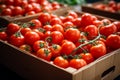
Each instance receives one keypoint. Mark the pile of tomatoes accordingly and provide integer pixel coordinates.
(67, 41)
(26, 7)
(111, 6)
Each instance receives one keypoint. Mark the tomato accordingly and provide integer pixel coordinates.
(17, 39)
(9, 2)
(77, 22)
(97, 23)
(87, 57)
(57, 37)
(72, 34)
(113, 41)
(73, 14)
(18, 11)
(28, 8)
(30, 13)
(26, 47)
(39, 44)
(68, 24)
(61, 62)
(56, 50)
(35, 23)
(31, 37)
(67, 47)
(36, 7)
(98, 50)
(101, 6)
(41, 2)
(17, 2)
(108, 29)
(7, 12)
(12, 28)
(69, 18)
(3, 35)
(117, 24)
(91, 31)
(77, 63)
(47, 34)
(24, 30)
(58, 27)
(47, 27)
(87, 19)
(44, 18)
(44, 53)
(106, 22)
(54, 21)
(40, 32)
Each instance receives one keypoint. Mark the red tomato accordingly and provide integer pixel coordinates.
(57, 37)
(87, 57)
(72, 34)
(3, 35)
(24, 30)
(113, 41)
(44, 18)
(18, 11)
(35, 23)
(97, 23)
(56, 50)
(17, 39)
(87, 19)
(26, 47)
(67, 24)
(12, 28)
(31, 37)
(44, 53)
(58, 27)
(47, 34)
(39, 44)
(77, 22)
(7, 12)
(98, 50)
(36, 7)
(17, 2)
(91, 31)
(117, 24)
(77, 63)
(9, 2)
(73, 14)
(54, 21)
(28, 8)
(108, 29)
(69, 18)
(61, 62)
(47, 27)
(67, 47)
(30, 13)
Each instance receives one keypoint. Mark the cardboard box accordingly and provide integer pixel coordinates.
(90, 8)
(31, 67)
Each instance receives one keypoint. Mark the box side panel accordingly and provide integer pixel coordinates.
(30, 67)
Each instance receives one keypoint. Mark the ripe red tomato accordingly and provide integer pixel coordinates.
(87, 57)
(25, 30)
(77, 63)
(58, 27)
(47, 27)
(31, 37)
(54, 21)
(67, 47)
(69, 18)
(17, 39)
(61, 62)
(56, 50)
(28, 8)
(57, 37)
(67, 24)
(87, 19)
(72, 34)
(7, 12)
(39, 44)
(117, 24)
(98, 50)
(35, 23)
(12, 28)
(108, 29)
(3, 35)
(73, 14)
(113, 41)
(18, 11)
(77, 22)
(26, 47)
(44, 53)
(91, 31)
(44, 18)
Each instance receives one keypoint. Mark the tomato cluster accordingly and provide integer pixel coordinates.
(26, 7)
(67, 41)
(111, 6)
